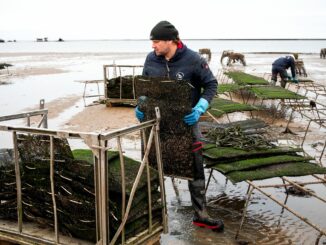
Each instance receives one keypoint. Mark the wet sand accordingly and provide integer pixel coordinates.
(102, 119)
(266, 223)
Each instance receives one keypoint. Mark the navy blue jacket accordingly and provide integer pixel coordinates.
(184, 65)
(285, 63)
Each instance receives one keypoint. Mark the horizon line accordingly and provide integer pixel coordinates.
(194, 39)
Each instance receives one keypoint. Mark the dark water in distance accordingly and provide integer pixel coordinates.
(140, 46)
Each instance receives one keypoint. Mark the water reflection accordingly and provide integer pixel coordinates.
(266, 222)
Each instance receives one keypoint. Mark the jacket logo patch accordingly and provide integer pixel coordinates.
(179, 76)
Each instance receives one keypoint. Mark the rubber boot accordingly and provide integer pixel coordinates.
(197, 188)
(198, 199)
(283, 83)
(208, 222)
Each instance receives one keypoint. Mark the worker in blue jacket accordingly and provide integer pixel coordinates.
(280, 66)
(172, 59)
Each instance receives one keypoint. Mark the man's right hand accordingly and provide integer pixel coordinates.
(139, 114)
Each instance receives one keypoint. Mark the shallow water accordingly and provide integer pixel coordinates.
(132, 46)
(266, 222)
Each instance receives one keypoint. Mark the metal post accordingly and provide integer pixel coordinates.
(42, 104)
(102, 191)
(18, 184)
(28, 120)
(209, 179)
(97, 199)
(133, 82)
(105, 82)
(244, 211)
(123, 186)
(56, 235)
(287, 129)
(322, 153)
(305, 134)
(160, 169)
(120, 82)
(98, 91)
(149, 190)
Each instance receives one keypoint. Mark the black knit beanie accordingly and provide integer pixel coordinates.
(164, 30)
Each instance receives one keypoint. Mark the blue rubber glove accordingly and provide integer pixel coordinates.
(196, 112)
(293, 79)
(139, 114)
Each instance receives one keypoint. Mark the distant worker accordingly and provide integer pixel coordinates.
(172, 59)
(280, 66)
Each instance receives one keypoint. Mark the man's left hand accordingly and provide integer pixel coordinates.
(192, 118)
(196, 112)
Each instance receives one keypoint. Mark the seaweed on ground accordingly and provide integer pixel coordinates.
(227, 154)
(220, 106)
(240, 157)
(258, 162)
(234, 137)
(228, 87)
(289, 169)
(274, 92)
(242, 78)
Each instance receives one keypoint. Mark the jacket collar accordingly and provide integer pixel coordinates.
(179, 52)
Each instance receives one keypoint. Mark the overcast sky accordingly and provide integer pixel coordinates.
(133, 19)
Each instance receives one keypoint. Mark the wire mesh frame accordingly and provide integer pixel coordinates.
(98, 95)
(302, 106)
(299, 106)
(117, 71)
(315, 115)
(252, 186)
(98, 144)
(222, 78)
(41, 112)
(312, 87)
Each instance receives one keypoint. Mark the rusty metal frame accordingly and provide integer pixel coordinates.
(301, 106)
(252, 187)
(41, 112)
(316, 113)
(310, 86)
(99, 95)
(98, 144)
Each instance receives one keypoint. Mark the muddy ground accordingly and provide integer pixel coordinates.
(58, 78)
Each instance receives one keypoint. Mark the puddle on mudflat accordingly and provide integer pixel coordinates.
(265, 223)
